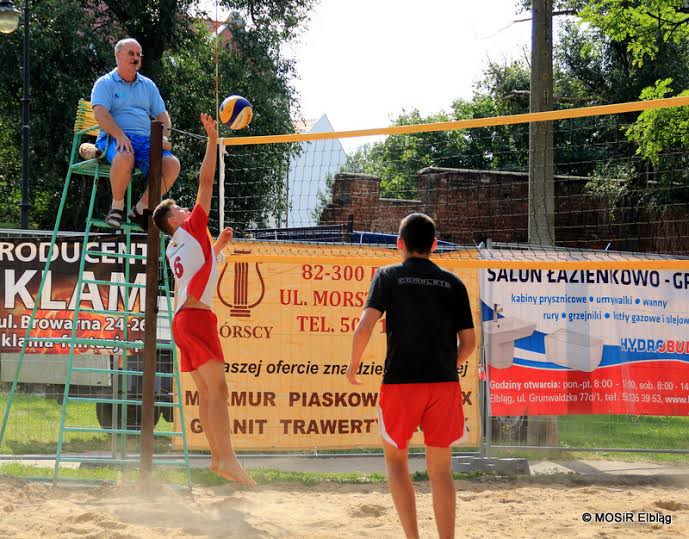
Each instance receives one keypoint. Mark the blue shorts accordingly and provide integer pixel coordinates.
(141, 146)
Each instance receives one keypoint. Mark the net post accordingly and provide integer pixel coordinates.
(151, 318)
(486, 436)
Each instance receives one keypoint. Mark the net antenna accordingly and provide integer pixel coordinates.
(221, 147)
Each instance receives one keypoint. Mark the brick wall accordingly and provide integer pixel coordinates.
(470, 206)
(358, 195)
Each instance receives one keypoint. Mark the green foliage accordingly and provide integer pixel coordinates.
(662, 137)
(157, 25)
(282, 19)
(647, 27)
(257, 174)
(604, 69)
(323, 197)
(10, 176)
(504, 90)
(34, 425)
(629, 50)
(647, 43)
(660, 130)
(604, 61)
(611, 181)
(256, 191)
(398, 158)
(67, 55)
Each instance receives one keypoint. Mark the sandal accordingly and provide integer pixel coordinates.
(140, 219)
(114, 217)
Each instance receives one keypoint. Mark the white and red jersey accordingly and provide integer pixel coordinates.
(190, 255)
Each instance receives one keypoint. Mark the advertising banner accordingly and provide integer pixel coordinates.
(286, 325)
(21, 266)
(561, 342)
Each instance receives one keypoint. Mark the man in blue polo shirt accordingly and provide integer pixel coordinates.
(123, 104)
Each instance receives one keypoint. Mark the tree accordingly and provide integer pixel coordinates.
(652, 34)
(158, 25)
(597, 63)
(397, 159)
(72, 45)
(504, 90)
(649, 28)
(255, 175)
(67, 55)
(10, 190)
(282, 19)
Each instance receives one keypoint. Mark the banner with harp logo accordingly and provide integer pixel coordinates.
(285, 323)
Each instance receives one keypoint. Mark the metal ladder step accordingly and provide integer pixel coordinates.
(168, 434)
(116, 255)
(121, 371)
(134, 402)
(113, 283)
(133, 314)
(102, 223)
(108, 343)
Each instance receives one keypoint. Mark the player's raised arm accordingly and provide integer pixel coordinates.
(207, 173)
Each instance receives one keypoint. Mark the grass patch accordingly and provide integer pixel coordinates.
(200, 477)
(22, 471)
(204, 477)
(266, 475)
(616, 431)
(626, 432)
(34, 425)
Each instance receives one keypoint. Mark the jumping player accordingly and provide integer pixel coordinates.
(429, 333)
(195, 327)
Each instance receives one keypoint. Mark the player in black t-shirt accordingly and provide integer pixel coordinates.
(430, 332)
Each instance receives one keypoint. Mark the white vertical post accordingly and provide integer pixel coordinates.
(221, 184)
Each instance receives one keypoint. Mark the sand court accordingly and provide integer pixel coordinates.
(487, 507)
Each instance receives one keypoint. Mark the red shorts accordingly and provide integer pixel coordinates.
(436, 407)
(196, 335)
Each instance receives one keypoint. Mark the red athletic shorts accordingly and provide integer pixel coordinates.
(196, 335)
(436, 407)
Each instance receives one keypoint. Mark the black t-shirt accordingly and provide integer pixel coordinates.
(425, 307)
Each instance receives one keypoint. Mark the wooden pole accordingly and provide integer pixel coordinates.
(151, 318)
(541, 186)
(542, 430)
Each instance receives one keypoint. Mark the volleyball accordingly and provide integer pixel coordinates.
(236, 112)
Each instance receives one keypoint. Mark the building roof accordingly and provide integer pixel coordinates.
(315, 125)
(304, 126)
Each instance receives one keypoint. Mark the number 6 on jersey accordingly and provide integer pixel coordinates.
(178, 268)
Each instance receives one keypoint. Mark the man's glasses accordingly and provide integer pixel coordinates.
(133, 54)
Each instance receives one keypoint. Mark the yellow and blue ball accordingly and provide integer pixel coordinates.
(236, 112)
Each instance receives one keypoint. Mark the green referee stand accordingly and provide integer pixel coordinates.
(86, 125)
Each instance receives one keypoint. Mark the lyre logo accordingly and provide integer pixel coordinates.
(247, 292)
